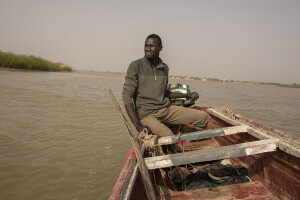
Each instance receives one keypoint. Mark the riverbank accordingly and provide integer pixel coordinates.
(11, 61)
(294, 85)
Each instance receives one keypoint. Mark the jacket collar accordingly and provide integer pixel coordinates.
(160, 63)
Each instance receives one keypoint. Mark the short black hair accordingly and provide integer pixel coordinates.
(155, 36)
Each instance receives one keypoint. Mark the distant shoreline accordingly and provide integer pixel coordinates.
(294, 85)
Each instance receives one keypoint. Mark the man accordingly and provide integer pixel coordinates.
(146, 99)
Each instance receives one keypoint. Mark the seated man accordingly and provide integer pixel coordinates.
(146, 99)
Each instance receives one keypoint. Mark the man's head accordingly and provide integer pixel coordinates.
(153, 46)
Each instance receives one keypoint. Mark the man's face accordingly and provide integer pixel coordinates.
(152, 48)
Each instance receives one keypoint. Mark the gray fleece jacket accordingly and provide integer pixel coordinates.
(145, 87)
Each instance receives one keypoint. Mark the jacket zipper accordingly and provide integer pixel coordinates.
(154, 73)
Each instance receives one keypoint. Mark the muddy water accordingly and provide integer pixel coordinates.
(61, 137)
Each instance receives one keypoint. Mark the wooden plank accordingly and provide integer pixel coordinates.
(123, 177)
(222, 116)
(198, 135)
(269, 130)
(258, 134)
(237, 150)
(282, 144)
(185, 137)
(251, 130)
(289, 149)
(290, 146)
(139, 156)
(127, 190)
(130, 181)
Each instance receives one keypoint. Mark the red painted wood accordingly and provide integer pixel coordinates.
(124, 175)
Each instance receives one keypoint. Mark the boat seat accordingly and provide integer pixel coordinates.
(231, 151)
(237, 150)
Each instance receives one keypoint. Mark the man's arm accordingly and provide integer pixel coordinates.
(129, 89)
(134, 119)
(174, 95)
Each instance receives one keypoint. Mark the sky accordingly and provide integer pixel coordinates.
(257, 40)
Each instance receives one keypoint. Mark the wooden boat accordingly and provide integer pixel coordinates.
(271, 157)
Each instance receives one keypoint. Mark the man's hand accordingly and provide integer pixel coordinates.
(134, 119)
(194, 95)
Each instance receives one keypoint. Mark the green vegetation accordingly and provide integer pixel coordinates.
(294, 85)
(10, 60)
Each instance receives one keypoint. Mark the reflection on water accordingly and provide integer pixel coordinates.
(61, 137)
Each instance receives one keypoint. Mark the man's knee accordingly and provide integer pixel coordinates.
(161, 130)
(157, 127)
(202, 120)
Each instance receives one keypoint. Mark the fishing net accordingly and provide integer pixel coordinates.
(214, 175)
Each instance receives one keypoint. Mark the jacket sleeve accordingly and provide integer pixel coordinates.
(130, 85)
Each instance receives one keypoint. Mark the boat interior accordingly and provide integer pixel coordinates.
(272, 172)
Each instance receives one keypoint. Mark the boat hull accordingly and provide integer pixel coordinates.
(275, 175)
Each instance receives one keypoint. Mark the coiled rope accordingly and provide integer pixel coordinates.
(150, 140)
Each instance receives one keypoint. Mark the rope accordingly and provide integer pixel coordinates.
(150, 140)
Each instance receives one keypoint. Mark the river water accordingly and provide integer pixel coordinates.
(61, 136)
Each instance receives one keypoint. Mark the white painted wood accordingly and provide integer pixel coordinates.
(282, 144)
(290, 146)
(219, 153)
(289, 149)
(258, 134)
(198, 135)
(252, 131)
(223, 117)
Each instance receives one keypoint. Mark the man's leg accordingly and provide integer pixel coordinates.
(182, 115)
(156, 126)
